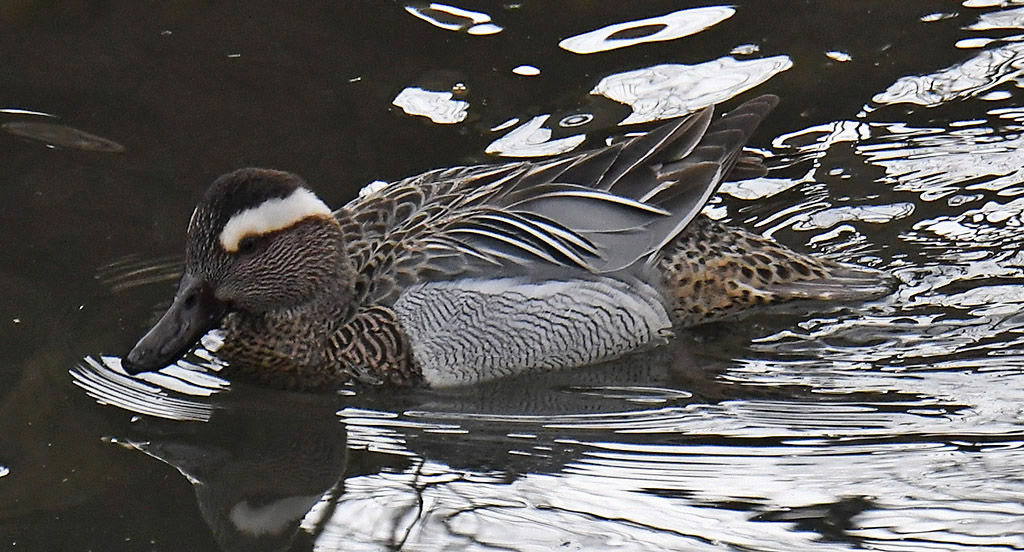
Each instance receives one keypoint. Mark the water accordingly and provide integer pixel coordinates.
(892, 425)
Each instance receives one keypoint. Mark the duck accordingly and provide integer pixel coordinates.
(467, 274)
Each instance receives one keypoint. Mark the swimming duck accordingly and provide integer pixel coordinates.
(466, 274)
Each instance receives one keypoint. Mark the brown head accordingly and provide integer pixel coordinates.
(259, 242)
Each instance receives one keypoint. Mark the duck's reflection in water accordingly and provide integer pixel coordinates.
(270, 468)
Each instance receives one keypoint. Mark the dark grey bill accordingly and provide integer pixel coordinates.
(194, 312)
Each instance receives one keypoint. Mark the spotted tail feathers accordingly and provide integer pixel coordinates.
(713, 271)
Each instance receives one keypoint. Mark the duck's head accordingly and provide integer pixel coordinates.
(258, 242)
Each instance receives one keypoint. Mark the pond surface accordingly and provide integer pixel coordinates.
(892, 425)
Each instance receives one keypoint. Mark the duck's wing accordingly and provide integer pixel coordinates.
(599, 211)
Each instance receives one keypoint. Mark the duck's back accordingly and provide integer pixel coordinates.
(495, 270)
(604, 212)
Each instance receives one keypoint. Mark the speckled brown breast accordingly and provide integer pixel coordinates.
(370, 349)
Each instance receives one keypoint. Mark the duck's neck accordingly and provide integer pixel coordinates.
(275, 350)
(292, 347)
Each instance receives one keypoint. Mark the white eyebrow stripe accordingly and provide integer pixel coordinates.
(272, 215)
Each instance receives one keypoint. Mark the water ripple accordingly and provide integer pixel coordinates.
(975, 77)
(937, 163)
(134, 271)
(57, 135)
(175, 392)
(875, 214)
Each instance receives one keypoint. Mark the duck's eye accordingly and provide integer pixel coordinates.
(247, 245)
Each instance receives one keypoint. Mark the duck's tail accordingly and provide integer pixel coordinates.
(683, 163)
(713, 271)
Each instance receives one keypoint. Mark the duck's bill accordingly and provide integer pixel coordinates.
(194, 312)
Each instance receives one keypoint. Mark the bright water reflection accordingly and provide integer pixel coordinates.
(438, 106)
(666, 91)
(452, 18)
(653, 93)
(670, 26)
(885, 453)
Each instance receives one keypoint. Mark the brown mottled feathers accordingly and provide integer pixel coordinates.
(602, 211)
(283, 363)
(712, 271)
(370, 349)
(376, 351)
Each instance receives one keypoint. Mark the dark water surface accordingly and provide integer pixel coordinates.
(893, 425)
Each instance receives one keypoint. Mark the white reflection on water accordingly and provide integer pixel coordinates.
(996, 96)
(970, 43)
(745, 50)
(839, 56)
(626, 491)
(828, 218)
(987, 3)
(439, 106)
(974, 77)
(937, 163)
(937, 16)
(452, 18)
(19, 111)
(654, 93)
(654, 29)
(506, 124)
(526, 70)
(1005, 19)
(992, 224)
(448, 510)
(756, 188)
(533, 139)
(671, 90)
